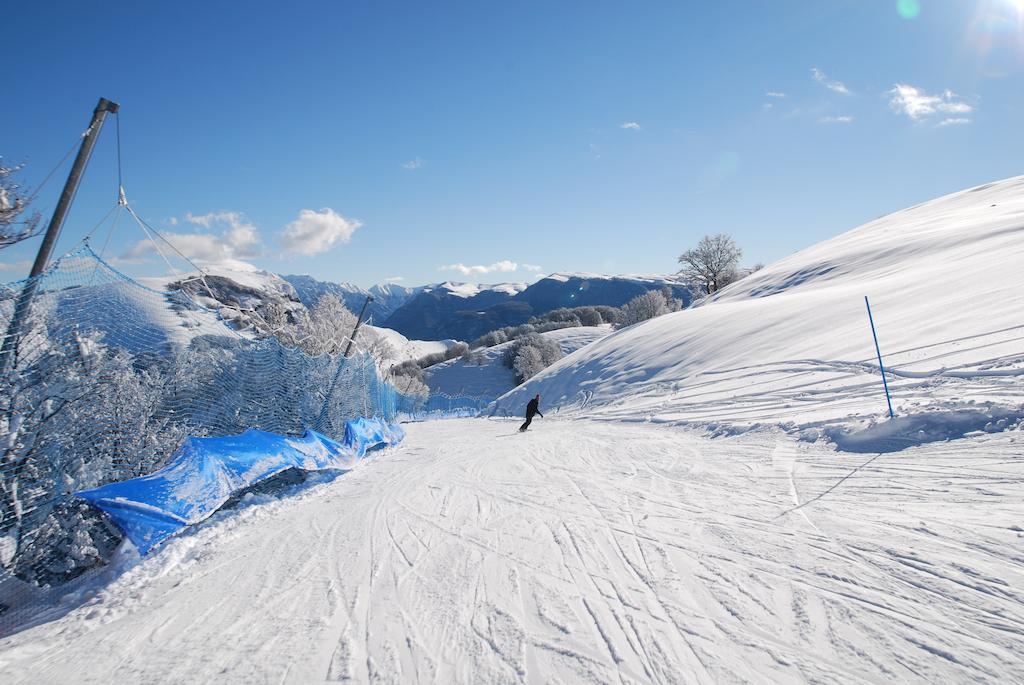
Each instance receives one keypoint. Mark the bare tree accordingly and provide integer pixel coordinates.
(15, 224)
(713, 262)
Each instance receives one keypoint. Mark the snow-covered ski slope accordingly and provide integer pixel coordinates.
(597, 552)
(791, 344)
(626, 547)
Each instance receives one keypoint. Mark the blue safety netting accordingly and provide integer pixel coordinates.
(205, 472)
(434, 406)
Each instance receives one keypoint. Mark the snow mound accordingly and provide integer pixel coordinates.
(924, 427)
(791, 345)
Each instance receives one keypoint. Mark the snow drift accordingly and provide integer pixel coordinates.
(791, 345)
(205, 472)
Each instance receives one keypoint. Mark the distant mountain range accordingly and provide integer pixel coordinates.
(386, 297)
(465, 311)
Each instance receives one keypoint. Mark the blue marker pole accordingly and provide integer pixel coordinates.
(878, 349)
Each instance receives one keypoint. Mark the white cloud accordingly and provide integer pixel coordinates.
(835, 86)
(173, 221)
(503, 266)
(394, 279)
(21, 265)
(413, 164)
(836, 120)
(955, 121)
(315, 232)
(531, 267)
(229, 238)
(630, 125)
(919, 105)
(774, 94)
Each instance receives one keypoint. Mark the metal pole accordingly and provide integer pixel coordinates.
(359, 322)
(8, 352)
(878, 349)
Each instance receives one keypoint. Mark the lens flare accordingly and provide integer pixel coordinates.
(996, 35)
(908, 9)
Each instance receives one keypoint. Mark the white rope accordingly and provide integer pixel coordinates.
(156, 245)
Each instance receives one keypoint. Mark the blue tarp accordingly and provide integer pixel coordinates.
(205, 472)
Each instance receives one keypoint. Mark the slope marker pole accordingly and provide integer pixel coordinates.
(878, 349)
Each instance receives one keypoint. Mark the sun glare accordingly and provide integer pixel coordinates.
(996, 35)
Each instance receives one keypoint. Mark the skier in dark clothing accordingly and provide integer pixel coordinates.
(533, 407)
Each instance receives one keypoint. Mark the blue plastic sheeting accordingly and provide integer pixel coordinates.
(205, 472)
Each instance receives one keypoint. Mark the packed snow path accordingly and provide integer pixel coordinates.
(581, 552)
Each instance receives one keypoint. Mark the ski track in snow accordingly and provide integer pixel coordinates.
(581, 551)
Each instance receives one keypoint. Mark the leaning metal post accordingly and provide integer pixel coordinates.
(878, 349)
(9, 351)
(359, 322)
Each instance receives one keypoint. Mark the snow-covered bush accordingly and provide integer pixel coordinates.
(556, 319)
(648, 305)
(81, 414)
(327, 328)
(15, 224)
(531, 354)
(456, 350)
(408, 379)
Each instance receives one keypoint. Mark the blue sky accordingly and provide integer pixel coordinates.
(364, 141)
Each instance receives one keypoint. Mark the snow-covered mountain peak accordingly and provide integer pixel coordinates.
(467, 290)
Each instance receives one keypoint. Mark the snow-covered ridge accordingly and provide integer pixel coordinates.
(791, 344)
(467, 290)
(563, 277)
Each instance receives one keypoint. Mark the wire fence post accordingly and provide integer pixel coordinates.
(878, 349)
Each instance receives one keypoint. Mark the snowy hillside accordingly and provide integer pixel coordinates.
(791, 345)
(488, 377)
(409, 350)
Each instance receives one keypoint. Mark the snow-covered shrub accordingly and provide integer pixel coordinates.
(86, 413)
(490, 339)
(15, 225)
(456, 350)
(644, 307)
(556, 319)
(326, 330)
(531, 354)
(408, 380)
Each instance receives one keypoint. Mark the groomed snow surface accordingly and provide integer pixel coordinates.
(581, 552)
